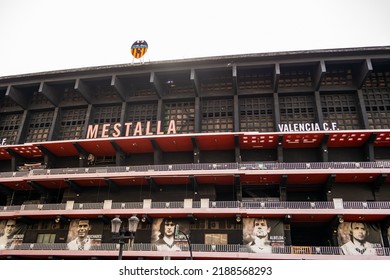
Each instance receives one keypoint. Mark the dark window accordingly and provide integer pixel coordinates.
(290, 78)
(378, 80)
(107, 115)
(337, 76)
(142, 113)
(297, 109)
(256, 114)
(217, 115)
(72, 123)
(253, 80)
(184, 115)
(40, 99)
(341, 109)
(39, 126)
(377, 103)
(9, 126)
(72, 96)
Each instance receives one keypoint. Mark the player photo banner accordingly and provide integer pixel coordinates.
(84, 234)
(170, 234)
(360, 238)
(11, 233)
(261, 235)
(388, 234)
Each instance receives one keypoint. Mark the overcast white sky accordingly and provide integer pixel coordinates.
(45, 35)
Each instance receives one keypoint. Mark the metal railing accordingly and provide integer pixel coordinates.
(200, 166)
(225, 248)
(366, 205)
(287, 205)
(211, 204)
(172, 204)
(127, 205)
(88, 205)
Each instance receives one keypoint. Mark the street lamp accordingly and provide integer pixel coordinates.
(123, 235)
(187, 239)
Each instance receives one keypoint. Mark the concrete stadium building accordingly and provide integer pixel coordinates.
(217, 147)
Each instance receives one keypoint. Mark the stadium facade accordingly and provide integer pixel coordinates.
(298, 142)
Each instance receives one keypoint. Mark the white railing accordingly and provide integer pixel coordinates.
(212, 204)
(200, 166)
(172, 204)
(97, 205)
(127, 205)
(225, 248)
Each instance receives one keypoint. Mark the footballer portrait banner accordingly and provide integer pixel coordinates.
(84, 234)
(260, 235)
(388, 233)
(170, 234)
(360, 238)
(11, 233)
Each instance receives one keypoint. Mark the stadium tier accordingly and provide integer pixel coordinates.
(279, 155)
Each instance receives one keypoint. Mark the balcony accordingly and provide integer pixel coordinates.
(201, 251)
(261, 173)
(172, 168)
(239, 206)
(302, 211)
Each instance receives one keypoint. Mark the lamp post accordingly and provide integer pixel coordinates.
(123, 235)
(187, 238)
